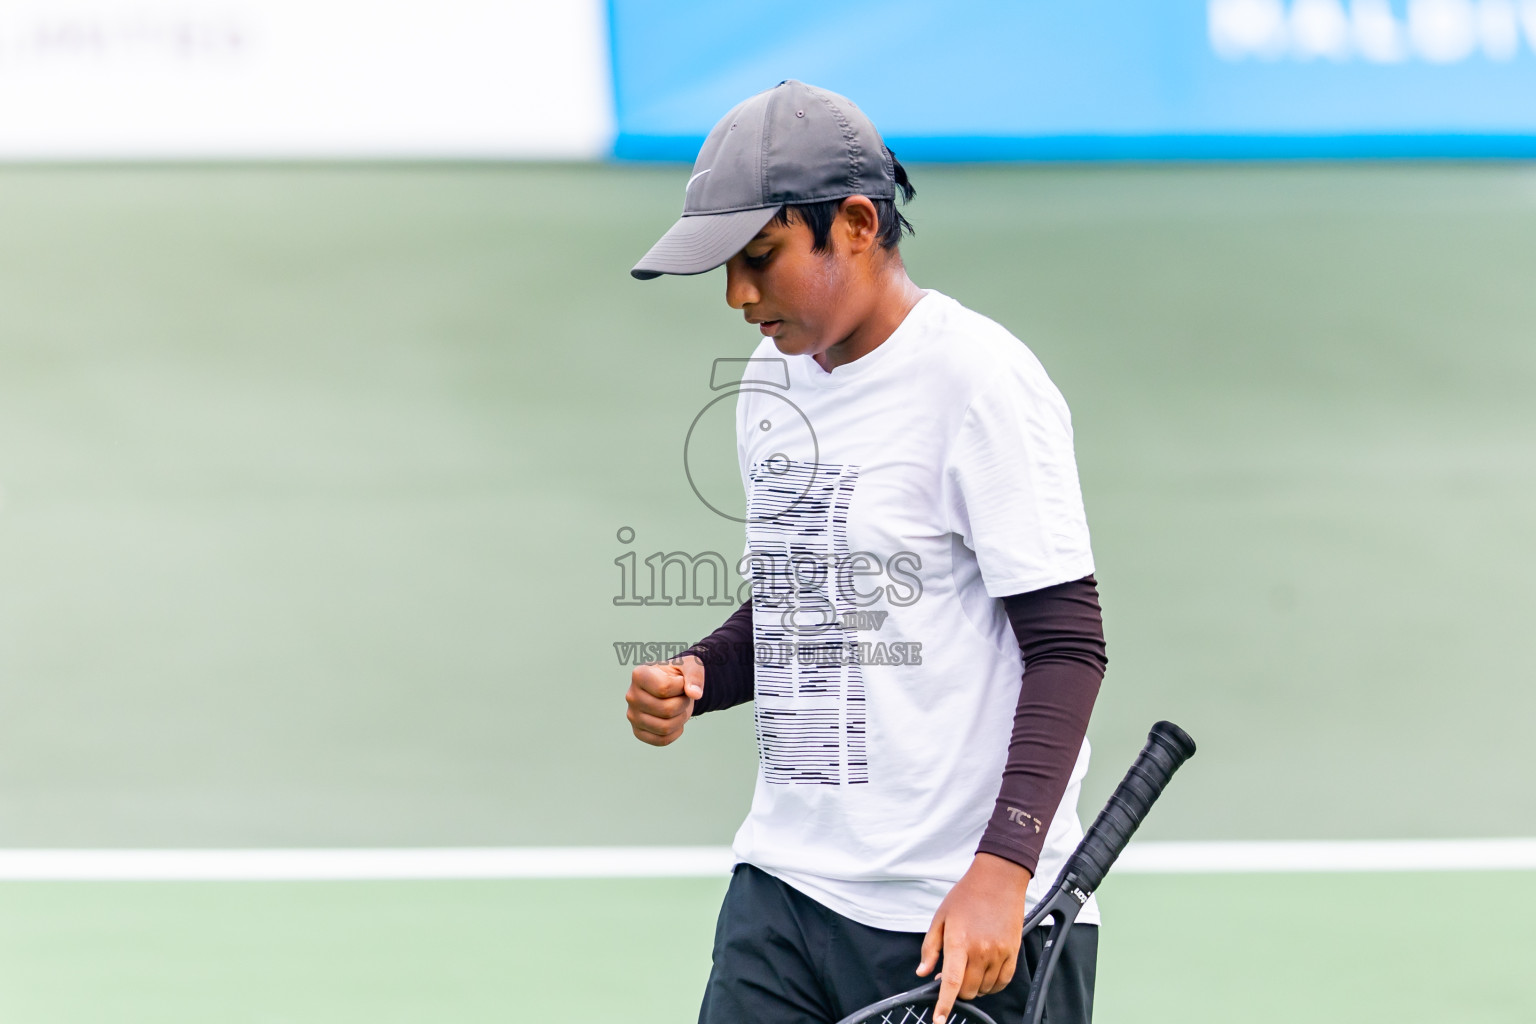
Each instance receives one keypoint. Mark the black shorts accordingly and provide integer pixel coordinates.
(782, 958)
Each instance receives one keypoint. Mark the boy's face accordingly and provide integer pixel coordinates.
(797, 297)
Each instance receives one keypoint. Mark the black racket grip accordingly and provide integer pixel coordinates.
(1167, 747)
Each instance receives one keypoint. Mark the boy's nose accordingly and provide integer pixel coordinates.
(739, 290)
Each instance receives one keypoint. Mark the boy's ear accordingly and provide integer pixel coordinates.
(861, 223)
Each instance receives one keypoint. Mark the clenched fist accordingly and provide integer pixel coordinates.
(661, 697)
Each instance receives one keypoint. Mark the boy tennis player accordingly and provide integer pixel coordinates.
(923, 646)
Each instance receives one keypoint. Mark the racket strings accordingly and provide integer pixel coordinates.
(916, 1013)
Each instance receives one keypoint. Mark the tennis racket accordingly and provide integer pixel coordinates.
(1167, 748)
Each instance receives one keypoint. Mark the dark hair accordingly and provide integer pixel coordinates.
(819, 216)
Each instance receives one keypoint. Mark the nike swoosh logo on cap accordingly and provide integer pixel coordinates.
(695, 178)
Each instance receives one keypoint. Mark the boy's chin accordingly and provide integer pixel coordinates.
(791, 346)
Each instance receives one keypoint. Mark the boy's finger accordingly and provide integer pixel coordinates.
(933, 942)
(693, 678)
(657, 731)
(949, 984)
(975, 974)
(1005, 975)
(988, 981)
(660, 680)
(660, 707)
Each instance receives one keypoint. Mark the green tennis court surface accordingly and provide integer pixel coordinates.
(310, 487)
(1327, 948)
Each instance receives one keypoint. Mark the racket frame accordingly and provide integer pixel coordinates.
(1062, 906)
(1166, 749)
(925, 993)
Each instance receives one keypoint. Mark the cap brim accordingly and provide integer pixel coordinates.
(702, 242)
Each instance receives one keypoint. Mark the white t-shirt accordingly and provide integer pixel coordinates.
(890, 504)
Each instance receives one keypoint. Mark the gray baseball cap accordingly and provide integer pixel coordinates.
(794, 143)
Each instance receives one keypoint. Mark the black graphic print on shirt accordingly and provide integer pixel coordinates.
(810, 707)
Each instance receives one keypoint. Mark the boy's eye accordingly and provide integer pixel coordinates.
(756, 262)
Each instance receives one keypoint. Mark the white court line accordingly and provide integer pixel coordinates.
(364, 864)
(429, 863)
(1201, 858)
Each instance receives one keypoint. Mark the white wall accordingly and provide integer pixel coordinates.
(84, 79)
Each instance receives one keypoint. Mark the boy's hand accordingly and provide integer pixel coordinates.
(979, 928)
(661, 697)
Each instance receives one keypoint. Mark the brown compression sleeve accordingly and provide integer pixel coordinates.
(1061, 635)
(727, 655)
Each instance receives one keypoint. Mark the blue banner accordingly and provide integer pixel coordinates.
(1097, 79)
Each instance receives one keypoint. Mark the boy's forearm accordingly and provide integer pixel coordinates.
(727, 654)
(1061, 636)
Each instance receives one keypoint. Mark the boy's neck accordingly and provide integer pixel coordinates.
(894, 297)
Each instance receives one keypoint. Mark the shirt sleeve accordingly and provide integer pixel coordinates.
(1010, 487)
(1061, 635)
(727, 654)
